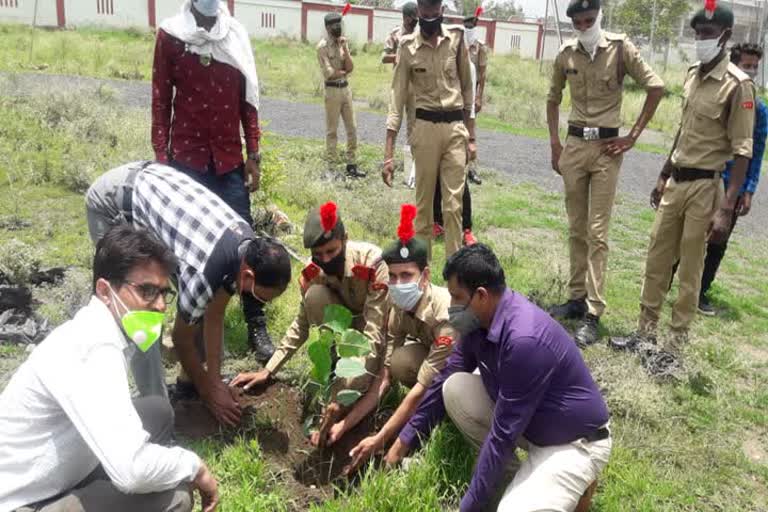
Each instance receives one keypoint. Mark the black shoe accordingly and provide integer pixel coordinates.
(474, 177)
(573, 309)
(587, 333)
(632, 342)
(354, 172)
(705, 308)
(258, 336)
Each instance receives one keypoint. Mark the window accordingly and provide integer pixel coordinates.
(105, 7)
(9, 3)
(268, 20)
(514, 41)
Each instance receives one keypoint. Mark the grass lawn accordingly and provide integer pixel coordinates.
(696, 445)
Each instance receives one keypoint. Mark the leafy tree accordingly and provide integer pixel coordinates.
(635, 17)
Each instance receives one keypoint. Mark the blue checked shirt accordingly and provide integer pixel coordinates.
(758, 148)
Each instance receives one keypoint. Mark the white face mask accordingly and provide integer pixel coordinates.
(590, 38)
(470, 36)
(752, 73)
(406, 295)
(707, 49)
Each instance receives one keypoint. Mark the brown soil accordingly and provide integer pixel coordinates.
(275, 416)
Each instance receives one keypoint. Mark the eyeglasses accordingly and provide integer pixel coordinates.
(150, 292)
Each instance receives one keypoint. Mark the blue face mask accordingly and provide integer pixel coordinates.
(208, 8)
(406, 295)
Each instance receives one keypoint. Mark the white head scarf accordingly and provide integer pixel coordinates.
(590, 38)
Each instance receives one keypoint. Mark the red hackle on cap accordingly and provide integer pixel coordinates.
(405, 230)
(328, 216)
(479, 11)
(709, 8)
(346, 9)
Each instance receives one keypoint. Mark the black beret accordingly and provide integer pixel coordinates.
(577, 6)
(332, 17)
(722, 16)
(410, 9)
(413, 251)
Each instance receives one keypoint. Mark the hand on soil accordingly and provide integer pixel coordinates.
(248, 380)
(364, 450)
(222, 404)
(206, 485)
(396, 453)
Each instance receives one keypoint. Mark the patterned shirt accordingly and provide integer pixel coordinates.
(191, 221)
(758, 148)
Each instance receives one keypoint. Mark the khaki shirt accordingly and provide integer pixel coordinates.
(718, 118)
(392, 42)
(439, 78)
(596, 91)
(362, 289)
(329, 55)
(427, 325)
(478, 54)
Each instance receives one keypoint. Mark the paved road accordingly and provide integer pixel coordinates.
(522, 159)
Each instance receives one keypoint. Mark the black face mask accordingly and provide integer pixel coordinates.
(430, 27)
(335, 267)
(335, 32)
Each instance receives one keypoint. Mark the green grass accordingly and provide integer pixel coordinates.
(678, 447)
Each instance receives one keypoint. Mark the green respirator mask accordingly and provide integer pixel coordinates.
(140, 326)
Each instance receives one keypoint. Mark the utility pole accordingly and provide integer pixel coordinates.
(653, 32)
(544, 39)
(557, 22)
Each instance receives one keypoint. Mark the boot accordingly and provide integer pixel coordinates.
(587, 334)
(258, 337)
(354, 172)
(573, 309)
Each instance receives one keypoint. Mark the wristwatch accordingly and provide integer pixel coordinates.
(255, 156)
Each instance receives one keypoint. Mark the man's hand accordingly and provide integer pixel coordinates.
(478, 106)
(396, 453)
(657, 192)
(222, 404)
(471, 151)
(557, 149)
(618, 146)
(337, 431)
(248, 380)
(252, 174)
(206, 485)
(745, 204)
(364, 450)
(718, 232)
(387, 172)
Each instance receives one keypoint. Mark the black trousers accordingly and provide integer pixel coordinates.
(466, 207)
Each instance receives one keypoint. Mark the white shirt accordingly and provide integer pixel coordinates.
(68, 408)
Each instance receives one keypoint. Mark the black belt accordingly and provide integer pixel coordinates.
(681, 174)
(445, 116)
(598, 435)
(592, 133)
(340, 85)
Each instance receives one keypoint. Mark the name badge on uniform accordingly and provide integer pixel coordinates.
(419, 70)
(571, 71)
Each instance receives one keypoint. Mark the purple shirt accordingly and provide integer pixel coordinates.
(534, 372)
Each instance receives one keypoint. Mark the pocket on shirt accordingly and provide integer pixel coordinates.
(449, 68)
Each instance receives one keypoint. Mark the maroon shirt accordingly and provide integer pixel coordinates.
(200, 125)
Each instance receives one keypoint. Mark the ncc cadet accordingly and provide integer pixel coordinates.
(478, 54)
(336, 66)
(594, 66)
(716, 125)
(433, 66)
(419, 337)
(388, 56)
(342, 272)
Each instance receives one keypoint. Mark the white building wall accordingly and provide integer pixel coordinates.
(111, 13)
(516, 38)
(355, 26)
(23, 11)
(270, 18)
(383, 23)
(165, 9)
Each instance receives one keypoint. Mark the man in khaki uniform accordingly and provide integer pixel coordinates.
(594, 65)
(419, 337)
(716, 125)
(342, 272)
(478, 54)
(389, 56)
(433, 66)
(336, 66)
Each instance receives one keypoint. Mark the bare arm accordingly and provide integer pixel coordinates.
(388, 58)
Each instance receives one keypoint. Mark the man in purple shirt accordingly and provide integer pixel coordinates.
(533, 390)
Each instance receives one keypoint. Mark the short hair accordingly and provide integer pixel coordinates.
(740, 49)
(429, 3)
(476, 266)
(125, 248)
(269, 261)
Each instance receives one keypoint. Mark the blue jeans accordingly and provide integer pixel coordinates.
(230, 187)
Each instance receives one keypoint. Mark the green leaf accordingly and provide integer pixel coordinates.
(353, 344)
(320, 355)
(350, 368)
(347, 397)
(337, 318)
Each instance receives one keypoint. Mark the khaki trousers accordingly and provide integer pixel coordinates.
(552, 478)
(679, 230)
(440, 154)
(590, 189)
(406, 363)
(338, 103)
(316, 298)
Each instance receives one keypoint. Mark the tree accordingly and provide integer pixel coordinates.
(496, 9)
(635, 17)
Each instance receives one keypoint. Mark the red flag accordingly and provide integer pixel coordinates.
(346, 9)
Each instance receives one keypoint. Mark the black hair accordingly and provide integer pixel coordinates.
(740, 49)
(428, 3)
(269, 261)
(476, 266)
(124, 248)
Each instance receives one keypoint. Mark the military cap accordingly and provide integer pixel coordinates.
(577, 6)
(474, 17)
(407, 248)
(410, 9)
(722, 15)
(331, 18)
(323, 224)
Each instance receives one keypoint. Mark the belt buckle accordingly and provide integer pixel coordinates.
(591, 133)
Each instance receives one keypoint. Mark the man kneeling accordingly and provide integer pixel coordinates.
(71, 439)
(533, 390)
